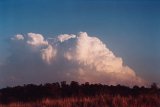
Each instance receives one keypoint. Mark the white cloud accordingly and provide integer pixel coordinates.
(48, 54)
(81, 58)
(97, 59)
(18, 37)
(36, 39)
(65, 37)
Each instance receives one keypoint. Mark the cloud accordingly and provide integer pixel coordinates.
(68, 57)
(18, 37)
(65, 37)
(48, 54)
(36, 39)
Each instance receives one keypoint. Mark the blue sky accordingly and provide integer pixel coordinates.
(130, 28)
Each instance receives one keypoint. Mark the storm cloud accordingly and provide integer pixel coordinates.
(83, 58)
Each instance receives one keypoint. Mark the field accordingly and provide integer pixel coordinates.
(97, 101)
(75, 95)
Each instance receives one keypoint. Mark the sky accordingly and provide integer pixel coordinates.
(128, 28)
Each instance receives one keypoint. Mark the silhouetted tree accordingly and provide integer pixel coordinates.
(154, 86)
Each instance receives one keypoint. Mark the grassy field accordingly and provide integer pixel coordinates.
(79, 95)
(97, 101)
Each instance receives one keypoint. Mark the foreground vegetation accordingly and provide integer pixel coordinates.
(97, 101)
(75, 95)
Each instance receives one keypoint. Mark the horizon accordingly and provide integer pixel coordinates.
(84, 83)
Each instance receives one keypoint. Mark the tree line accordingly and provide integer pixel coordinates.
(32, 92)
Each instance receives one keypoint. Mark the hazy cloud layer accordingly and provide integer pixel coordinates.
(35, 59)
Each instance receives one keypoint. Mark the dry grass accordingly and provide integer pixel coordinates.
(97, 101)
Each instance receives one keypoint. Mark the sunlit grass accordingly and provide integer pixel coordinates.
(96, 101)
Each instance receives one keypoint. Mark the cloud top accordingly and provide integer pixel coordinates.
(65, 37)
(36, 39)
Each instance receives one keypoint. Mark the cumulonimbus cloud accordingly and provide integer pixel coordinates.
(68, 57)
